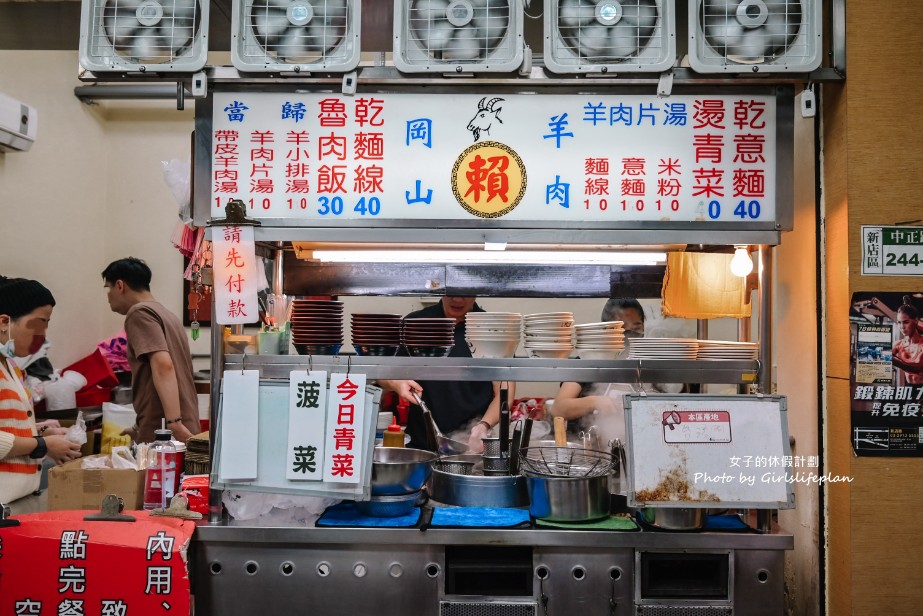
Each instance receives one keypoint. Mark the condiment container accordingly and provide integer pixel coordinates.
(394, 435)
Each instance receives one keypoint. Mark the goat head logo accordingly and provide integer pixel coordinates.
(487, 115)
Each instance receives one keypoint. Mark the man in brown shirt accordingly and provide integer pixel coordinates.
(161, 365)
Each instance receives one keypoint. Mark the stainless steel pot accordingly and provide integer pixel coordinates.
(476, 490)
(674, 518)
(568, 499)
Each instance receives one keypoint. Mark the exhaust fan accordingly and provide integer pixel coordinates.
(144, 35)
(754, 35)
(458, 36)
(295, 35)
(609, 35)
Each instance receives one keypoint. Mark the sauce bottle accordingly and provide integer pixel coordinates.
(394, 435)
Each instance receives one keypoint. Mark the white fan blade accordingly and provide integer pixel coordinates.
(324, 37)
(781, 29)
(333, 12)
(724, 36)
(437, 36)
(121, 30)
(179, 9)
(427, 11)
(719, 9)
(147, 47)
(176, 38)
(642, 14)
(623, 41)
(751, 48)
(574, 13)
(292, 45)
(267, 24)
(491, 25)
(463, 46)
(592, 39)
(122, 7)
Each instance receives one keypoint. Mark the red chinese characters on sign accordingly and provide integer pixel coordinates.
(749, 177)
(297, 167)
(668, 184)
(235, 275)
(226, 161)
(488, 175)
(596, 181)
(632, 183)
(344, 438)
(262, 156)
(78, 567)
(708, 122)
(346, 429)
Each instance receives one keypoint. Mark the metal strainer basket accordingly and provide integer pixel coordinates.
(455, 467)
(564, 462)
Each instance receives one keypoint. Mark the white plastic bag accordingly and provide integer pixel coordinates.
(77, 433)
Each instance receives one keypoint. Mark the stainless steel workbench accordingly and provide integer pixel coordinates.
(240, 569)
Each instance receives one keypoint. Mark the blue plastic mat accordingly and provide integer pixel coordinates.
(479, 517)
(347, 514)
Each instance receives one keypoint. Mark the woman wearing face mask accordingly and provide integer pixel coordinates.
(25, 309)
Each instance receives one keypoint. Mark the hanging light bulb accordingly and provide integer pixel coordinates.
(741, 264)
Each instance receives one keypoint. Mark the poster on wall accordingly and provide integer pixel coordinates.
(886, 374)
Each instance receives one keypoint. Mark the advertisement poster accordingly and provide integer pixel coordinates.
(886, 375)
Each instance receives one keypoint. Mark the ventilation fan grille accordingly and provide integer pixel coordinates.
(160, 35)
(296, 34)
(602, 35)
(472, 34)
(745, 35)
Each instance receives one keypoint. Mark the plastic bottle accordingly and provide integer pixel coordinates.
(394, 435)
(161, 474)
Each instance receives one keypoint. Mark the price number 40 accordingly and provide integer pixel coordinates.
(744, 209)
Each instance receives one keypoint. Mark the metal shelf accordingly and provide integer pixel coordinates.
(512, 369)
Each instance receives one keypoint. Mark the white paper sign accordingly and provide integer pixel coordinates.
(700, 450)
(345, 432)
(239, 425)
(307, 414)
(236, 275)
(547, 157)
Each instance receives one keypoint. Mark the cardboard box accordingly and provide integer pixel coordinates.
(73, 487)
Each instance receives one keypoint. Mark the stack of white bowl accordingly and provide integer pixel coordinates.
(493, 334)
(603, 340)
(549, 334)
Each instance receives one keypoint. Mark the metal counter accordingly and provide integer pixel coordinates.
(241, 569)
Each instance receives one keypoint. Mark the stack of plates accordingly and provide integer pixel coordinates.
(662, 348)
(720, 349)
(376, 334)
(428, 337)
(317, 326)
(493, 334)
(549, 334)
(599, 340)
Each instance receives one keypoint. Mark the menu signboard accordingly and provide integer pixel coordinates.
(593, 158)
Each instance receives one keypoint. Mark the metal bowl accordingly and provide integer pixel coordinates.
(400, 470)
(674, 518)
(389, 506)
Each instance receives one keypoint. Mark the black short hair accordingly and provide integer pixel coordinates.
(621, 303)
(132, 271)
(908, 308)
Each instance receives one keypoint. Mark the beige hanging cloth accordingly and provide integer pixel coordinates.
(700, 285)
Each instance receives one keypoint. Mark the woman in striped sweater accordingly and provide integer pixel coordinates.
(25, 309)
